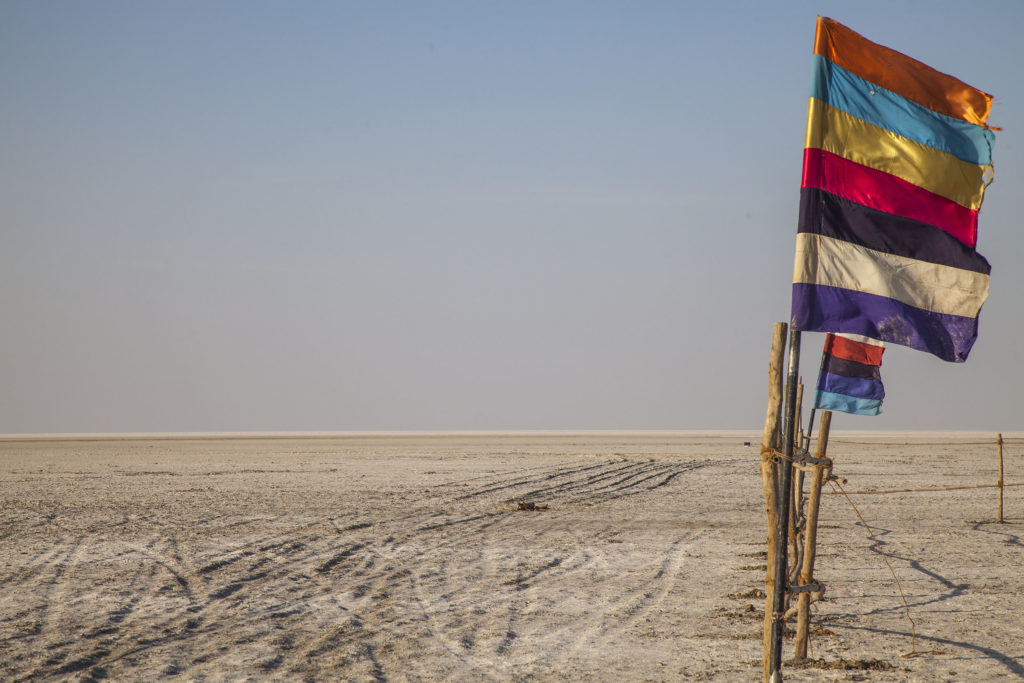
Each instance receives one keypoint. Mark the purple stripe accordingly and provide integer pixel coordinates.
(823, 213)
(851, 386)
(819, 308)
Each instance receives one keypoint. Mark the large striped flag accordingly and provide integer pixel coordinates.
(850, 379)
(897, 157)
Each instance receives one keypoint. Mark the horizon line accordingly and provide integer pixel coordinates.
(427, 433)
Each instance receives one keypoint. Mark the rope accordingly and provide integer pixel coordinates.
(1006, 441)
(798, 454)
(928, 490)
(837, 489)
(906, 606)
(917, 443)
(773, 454)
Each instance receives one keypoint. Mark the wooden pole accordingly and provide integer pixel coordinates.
(785, 491)
(769, 442)
(798, 485)
(799, 411)
(803, 605)
(1000, 478)
(810, 423)
(771, 421)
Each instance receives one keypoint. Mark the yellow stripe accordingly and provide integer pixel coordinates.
(836, 131)
(827, 261)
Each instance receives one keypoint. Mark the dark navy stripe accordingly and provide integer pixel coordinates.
(850, 368)
(824, 213)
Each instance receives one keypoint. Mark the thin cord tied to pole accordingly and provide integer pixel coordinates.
(906, 606)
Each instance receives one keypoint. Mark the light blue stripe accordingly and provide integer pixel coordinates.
(825, 400)
(852, 94)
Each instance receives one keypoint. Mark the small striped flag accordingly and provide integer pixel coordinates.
(897, 157)
(850, 380)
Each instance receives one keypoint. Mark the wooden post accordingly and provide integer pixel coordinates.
(785, 492)
(769, 442)
(803, 605)
(1000, 478)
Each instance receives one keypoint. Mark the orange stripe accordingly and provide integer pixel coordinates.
(899, 73)
(840, 347)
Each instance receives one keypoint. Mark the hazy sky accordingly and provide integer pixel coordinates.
(225, 216)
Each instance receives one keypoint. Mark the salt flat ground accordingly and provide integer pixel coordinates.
(405, 557)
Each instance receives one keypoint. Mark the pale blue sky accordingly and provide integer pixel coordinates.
(226, 216)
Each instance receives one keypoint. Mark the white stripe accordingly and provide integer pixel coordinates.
(861, 338)
(827, 261)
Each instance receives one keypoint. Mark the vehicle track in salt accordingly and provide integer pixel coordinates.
(459, 576)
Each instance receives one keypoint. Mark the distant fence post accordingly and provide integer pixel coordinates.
(1000, 441)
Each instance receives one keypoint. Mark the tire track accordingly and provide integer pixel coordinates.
(52, 590)
(429, 542)
(455, 579)
(116, 610)
(647, 594)
(500, 483)
(449, 587)
(603, 481)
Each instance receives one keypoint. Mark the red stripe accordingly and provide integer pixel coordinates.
(858, 352)
(878, 190)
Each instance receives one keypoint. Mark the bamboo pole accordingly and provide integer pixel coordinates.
(803, 606)
(769, 442)
(1000, 478)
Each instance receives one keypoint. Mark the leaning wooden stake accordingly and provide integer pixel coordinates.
(769, 443)
(1000, 478)
(803, 605)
